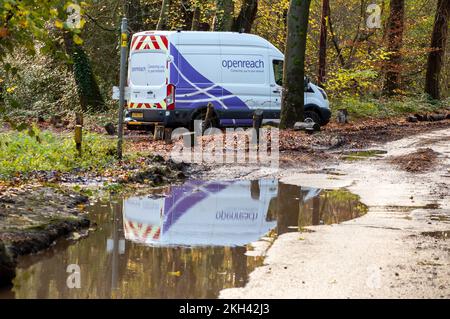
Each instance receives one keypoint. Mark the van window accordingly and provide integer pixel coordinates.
(278, 71)
(148, 68)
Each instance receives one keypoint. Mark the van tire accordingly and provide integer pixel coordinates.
(312, 116)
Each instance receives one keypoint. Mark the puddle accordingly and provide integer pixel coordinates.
(360, 155)
(186, 241)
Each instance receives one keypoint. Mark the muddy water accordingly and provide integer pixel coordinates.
(187, 241)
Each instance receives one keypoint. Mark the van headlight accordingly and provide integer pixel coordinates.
(323, 94)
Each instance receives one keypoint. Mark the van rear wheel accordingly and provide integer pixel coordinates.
(201, 116)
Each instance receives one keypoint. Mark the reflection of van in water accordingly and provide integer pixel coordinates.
(172, 76)
(202, 214)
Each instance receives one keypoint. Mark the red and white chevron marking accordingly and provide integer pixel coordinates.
(161, 105)
(140, 232)
(149, 42)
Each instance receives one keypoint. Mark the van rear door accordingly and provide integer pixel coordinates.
(149, 72)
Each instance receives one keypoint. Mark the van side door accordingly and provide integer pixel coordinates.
(276, 86)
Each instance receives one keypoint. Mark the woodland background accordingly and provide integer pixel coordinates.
(48, 68)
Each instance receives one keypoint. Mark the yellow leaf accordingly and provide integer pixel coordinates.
(174, 273)
(59, 24)
(11, 89)
(77, 39)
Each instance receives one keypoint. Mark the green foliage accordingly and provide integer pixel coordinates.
(39, 86)
(363, 107)
(24, 21)
(88, 90)
(44, 151)
(355, 82)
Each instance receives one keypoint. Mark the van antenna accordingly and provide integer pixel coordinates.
(178, 30)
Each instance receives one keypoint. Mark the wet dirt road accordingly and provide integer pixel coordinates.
(399, 249)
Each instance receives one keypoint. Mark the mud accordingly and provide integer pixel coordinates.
(418, 161)
(327, 145)
(33, 217)
(399, 249)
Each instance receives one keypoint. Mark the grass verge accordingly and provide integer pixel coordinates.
(22, 152)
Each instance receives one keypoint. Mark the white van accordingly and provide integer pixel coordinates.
(201, 213)
(173, 75)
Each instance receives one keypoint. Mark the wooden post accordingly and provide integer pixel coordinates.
(168, 135)
(342, 116)
(209, 116)
(159, 132)
(257, 123)
(79, 120)
(78, 138)
(110, 129)
(79, 132)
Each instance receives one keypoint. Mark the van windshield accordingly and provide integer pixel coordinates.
(148, 68)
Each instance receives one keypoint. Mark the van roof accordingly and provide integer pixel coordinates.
(226, 38)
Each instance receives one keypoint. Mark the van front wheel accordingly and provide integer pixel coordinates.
(311, 116)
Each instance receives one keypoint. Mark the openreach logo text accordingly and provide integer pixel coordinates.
(231, 146)
(247, 64)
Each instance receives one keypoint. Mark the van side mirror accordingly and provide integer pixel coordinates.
(307, 81)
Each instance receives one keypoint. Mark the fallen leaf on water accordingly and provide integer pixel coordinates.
(174, 273)
(75, 236)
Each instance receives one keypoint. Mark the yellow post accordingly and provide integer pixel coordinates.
(78, 138)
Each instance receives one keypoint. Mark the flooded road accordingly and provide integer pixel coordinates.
(186, 241)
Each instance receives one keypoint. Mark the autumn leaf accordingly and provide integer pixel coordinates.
(174, 273)
(77, 39)
(59, 24)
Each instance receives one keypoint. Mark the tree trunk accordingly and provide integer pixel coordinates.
(133, 12)
(294, 63)
(246, 16)
(288, 208)
(88, 90)
(321, 77)
(223, 21)
(335, 40)
(438, 44)
(395, 41)
(187, 13)
(196, 19)
(163, 14)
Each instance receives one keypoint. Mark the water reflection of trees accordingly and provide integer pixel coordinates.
(293, 212)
